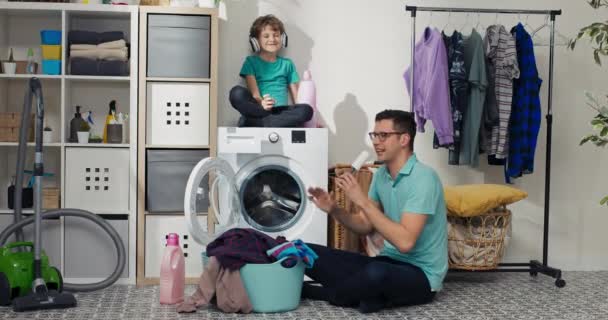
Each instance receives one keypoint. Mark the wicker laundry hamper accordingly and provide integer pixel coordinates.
(478, 243)
(340, 237)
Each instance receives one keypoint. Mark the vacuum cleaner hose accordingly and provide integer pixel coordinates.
(51, 214)
(34, 88)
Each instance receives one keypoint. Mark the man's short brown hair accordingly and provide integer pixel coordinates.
(263, 21)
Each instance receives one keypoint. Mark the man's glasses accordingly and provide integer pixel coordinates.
(382, 135)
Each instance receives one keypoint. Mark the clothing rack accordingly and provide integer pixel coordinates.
(534, 267)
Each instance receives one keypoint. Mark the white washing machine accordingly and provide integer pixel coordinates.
(259, 180)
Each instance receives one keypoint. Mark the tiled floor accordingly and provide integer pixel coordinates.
(465, 296)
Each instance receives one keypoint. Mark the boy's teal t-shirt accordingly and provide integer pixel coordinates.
(416, 189)
(273, 78)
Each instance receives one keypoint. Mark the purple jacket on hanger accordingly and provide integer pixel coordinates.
(431, 87)
(237, 247)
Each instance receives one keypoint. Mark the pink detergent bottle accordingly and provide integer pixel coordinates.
(172, 272)
(307, 93)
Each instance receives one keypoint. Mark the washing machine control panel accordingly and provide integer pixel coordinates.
(273, 137)
(298, 136)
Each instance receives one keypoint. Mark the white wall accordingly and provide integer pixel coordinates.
(357, 51)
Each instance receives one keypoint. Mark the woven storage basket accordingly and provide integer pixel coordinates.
(478, 243)
(339, 236)
(10, 122)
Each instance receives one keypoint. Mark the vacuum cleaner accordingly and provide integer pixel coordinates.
(42, 295)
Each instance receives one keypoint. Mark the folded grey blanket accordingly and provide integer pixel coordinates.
(91, 37)
(86, 66)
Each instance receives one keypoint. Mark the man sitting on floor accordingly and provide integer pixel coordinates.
(406, 206)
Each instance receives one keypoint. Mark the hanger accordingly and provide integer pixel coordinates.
(526, 23)
(448, 22)
(560, 39)
(546, 24)
(465, 22)
(478, 22)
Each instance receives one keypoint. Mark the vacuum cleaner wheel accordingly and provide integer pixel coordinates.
(5, 290)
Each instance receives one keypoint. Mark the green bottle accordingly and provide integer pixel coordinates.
(31, 64)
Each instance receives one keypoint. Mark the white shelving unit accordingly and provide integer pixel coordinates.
(159, 118)
(20, 25)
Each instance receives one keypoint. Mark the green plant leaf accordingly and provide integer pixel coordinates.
(598, 127)
(596, 57)
(584, 140)
(604, 132)
(604, 201)
(601, 143)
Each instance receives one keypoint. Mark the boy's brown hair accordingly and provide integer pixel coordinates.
(263, 21)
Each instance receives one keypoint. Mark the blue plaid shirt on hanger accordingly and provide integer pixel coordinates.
(524, 124)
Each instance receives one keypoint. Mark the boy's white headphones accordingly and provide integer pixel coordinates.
(255, 45)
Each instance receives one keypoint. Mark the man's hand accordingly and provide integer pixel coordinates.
(352, 190)
(322, 199)
(267, 102)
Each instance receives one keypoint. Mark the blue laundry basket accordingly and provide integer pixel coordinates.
(272, 287)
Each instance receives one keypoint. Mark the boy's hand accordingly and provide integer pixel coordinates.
(267, 102)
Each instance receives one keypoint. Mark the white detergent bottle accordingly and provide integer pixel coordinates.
(172, 272)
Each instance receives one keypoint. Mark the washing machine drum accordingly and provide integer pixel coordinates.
(269, 198)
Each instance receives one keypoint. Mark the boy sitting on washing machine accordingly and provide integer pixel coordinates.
(269, 77)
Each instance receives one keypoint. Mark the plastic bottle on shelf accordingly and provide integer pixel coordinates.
(75, 125)
(31, 63)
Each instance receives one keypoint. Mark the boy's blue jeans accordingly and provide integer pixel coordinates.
(255, 115)
(350, 279)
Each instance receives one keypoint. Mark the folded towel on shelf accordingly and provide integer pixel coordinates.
(92, 67)
(91, 37)
(113, 54)
(113, 68)
(83, 47)
(102, 54)
(118, 44)
(83, 37)
(83, 66)
(91, 54)
(110, 36)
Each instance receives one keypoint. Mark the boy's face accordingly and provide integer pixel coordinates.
(270, 39)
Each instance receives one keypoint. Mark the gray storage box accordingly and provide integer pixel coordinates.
(85, 239)
(167, 174)
(178, 46)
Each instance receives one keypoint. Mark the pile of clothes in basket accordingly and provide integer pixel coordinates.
(221, 283)
(98, 53)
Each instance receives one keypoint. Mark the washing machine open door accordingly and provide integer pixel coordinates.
(211, 186)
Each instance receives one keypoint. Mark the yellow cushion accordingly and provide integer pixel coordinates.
(476, 199)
